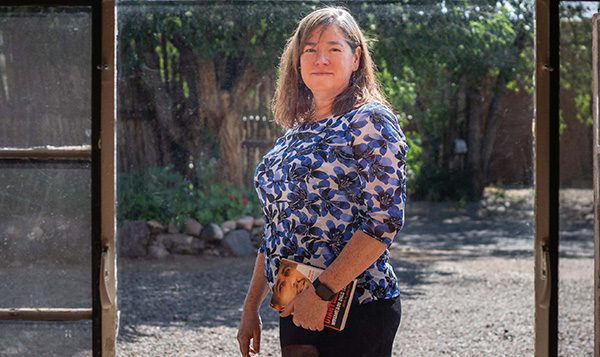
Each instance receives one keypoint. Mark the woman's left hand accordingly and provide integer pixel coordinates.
(308, 310)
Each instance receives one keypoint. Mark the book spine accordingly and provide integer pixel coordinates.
(338, 308)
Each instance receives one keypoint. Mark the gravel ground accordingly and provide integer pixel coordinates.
(466, 275)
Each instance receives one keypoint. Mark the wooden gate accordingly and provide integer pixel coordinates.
(258, 136)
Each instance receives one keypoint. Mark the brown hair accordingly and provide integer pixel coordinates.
(293, 101)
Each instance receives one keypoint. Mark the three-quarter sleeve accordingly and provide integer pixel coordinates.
(380, 150)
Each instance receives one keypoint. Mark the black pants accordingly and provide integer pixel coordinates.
(369, 332)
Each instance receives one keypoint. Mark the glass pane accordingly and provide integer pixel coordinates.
(576, 224)
(45, 76)
(52, 339)
(458, 75)
(45, 234)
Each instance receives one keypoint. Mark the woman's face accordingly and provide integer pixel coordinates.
(289, 283)
(327, 62)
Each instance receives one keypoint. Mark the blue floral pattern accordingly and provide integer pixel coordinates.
(323, 181)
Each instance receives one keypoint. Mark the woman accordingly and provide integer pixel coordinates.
(333, 192)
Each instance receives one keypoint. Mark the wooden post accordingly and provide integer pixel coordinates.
(596, 158)
(105, 317)
(546, 177)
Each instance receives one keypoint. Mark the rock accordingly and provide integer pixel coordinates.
(192, 227)
(12, 232)
(182, 244)
(259, 222)
(172, 228)
(198, 245)
(257, 234)
(238, 243)
(589, 217)
(245, 223)
(176, 243)
(212, 233)
(213, 252)
(155, 227)
(133, 238)
(36, 234)
(157, 251)
(228, 226)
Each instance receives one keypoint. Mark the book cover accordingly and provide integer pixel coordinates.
(294, 277)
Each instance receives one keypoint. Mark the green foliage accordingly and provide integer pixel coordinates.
(445, 54)
(149, 195)
(221, 202)
(400, 89)
(414, 162)
(429, 53)
(576, 59)
(235, 35)
(441, 184)
(167, 196)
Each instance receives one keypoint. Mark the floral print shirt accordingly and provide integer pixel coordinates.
(322, 181)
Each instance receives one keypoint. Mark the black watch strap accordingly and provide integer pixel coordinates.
(323, 291)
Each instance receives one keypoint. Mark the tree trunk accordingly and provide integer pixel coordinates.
(491, 124)
(230, 147)
(473, 111)
(450, 133)
(223, 110)
(426, 149)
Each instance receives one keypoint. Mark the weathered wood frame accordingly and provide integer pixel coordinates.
(547, 177)
(596, 159)
(546, 138)
(102, 154)
(546, 134)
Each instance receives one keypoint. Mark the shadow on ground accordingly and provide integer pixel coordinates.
(196, 292)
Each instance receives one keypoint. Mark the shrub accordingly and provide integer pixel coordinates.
(167, 196)
(441, 184)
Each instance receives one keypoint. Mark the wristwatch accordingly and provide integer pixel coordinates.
(323, 291)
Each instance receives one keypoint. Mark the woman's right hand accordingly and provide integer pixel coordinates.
(249, 330)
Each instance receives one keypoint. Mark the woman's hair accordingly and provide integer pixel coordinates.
(293, 101)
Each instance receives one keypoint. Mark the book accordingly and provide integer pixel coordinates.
(294, 277)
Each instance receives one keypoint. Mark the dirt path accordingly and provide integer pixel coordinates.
(466, 276)
(466, 279)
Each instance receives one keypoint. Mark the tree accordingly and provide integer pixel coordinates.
(207, 59)
(445, 65)
(576, 59)
(462, 59)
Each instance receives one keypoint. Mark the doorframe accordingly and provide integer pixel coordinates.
(546, 149)
(547, 174)
(102, 152)
(596, 164)
(104, 290)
